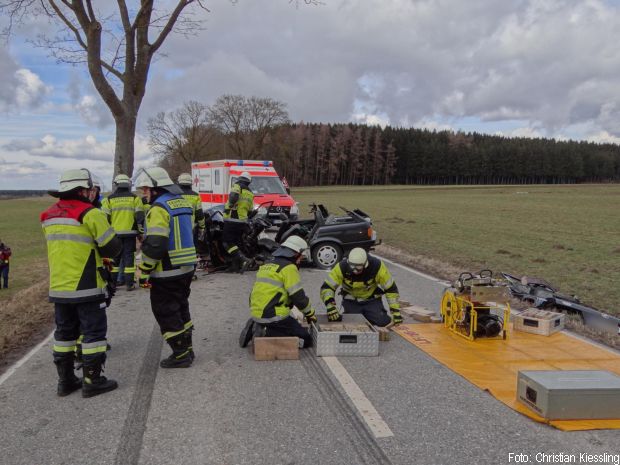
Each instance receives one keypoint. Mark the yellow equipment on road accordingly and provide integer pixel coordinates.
(477, 306)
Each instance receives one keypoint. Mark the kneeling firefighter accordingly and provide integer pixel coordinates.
(364, 279)
(276, 290)
(168, 257)
(78, 235)
(240, 203)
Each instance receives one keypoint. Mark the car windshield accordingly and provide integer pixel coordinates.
(265, 185)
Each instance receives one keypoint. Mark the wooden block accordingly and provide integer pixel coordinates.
(435, 319)
(404, 303)
(421, 317)
(276, 348)
(416, 309)
(384, 336)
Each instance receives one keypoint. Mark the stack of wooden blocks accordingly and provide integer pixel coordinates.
(536, 321)
(420, 313)
(276, 348)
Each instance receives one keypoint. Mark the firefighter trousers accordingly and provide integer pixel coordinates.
(126, 260)
(231, 236)
(86, 318)
(373, 310)
(170, 304)
(289, 327)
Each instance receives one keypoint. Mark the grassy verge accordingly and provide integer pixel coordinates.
(569, 235)
(25, 314)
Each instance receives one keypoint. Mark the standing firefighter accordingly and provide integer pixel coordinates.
(198, 215)
(276, 290)
(78, 235)
(364, 279)
(240, 203)
(126, 214)
(169, 256)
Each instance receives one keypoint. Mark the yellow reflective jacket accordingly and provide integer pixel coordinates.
(373, 282)
(277, 288)
(240, 203)
(77, 236)
(168, 249)
(125, 212)
(198, 215)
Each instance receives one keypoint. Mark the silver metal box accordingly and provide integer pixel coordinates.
(570, 395)
(353, 343)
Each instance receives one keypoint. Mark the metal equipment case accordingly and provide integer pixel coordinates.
(570, 395)
(353, 343)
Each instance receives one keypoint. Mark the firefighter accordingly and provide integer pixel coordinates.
(198, 215)
(276, 290)
(5, 258)
(364, 279)
(240, 203)
(168, 257)
(126, 214)
(78, 236)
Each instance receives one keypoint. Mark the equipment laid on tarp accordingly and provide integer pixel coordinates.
(353, 336)
(537, 321)
(476, 306)
(493, 366)
(540, 294)
(571, 394)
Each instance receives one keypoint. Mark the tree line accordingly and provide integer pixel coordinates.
(317, 154)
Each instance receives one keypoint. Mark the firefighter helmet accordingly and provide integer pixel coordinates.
(122, 179)
(357, 260)
(246, 177)
(292, 246)
(157, 177)
(185, 179)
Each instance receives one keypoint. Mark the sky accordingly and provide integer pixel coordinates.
(519, 68)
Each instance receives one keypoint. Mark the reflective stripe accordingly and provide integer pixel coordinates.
(65, 221)
(126, 231)
(81, 293)
(389, 284)
(148, 260)
(331, 282)
(94, 347)
(101, 239)
(169, 273)
(130, 269)
(392, 300)
(70, 237)
(170, 334)
(234, 248)
(358, 299)
(139, 209)
(325, 293)
(64, 349)
(125, 209)
(273, 282)
(189, 325)
(294, 288)
(157, 231)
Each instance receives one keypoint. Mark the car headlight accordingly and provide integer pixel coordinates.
(261, 211)
(295, 210)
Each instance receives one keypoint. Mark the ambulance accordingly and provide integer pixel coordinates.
(214, 179)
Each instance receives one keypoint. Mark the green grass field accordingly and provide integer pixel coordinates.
(20, 229)
(569, 235)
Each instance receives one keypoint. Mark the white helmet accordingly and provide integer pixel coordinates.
(122, 179)
(358, 259)
(292, 246)
(71, 179)
(185, 179)
(245, 176)
(157, 177)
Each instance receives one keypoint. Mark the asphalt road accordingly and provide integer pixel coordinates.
(229, 409)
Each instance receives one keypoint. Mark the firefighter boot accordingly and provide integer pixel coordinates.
(188, 342)
(235, 264)
(95, 384)
(67, 381)
(181, 355)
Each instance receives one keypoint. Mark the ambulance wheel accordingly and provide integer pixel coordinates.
(326, 255)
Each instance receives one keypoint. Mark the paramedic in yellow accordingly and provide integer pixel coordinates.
(78, 235)
(168, 257)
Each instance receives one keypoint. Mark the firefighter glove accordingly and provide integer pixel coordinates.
(108, 263)
(396, 317)
(310, 316)
(333, 314)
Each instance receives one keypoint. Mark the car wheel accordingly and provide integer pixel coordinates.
(326, 254)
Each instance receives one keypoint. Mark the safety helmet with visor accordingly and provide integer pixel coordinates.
(291, 247)
(245, 177)
(156, 178)
(185, 179)
(73, 179)
(357, 260)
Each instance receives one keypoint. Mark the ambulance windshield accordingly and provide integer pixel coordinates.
(265, 185)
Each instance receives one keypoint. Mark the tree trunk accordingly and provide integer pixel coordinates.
(124, 148)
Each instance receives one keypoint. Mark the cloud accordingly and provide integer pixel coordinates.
(22, 169)
(87, 148)
(21, 88)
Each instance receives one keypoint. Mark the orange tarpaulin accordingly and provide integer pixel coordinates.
(493, 364)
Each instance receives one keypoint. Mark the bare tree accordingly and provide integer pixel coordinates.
(184, 133)
(247, 122)
(117, 43)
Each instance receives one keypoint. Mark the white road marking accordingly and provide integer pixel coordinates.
(419, 273)
(24, 359)
(375, 423)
